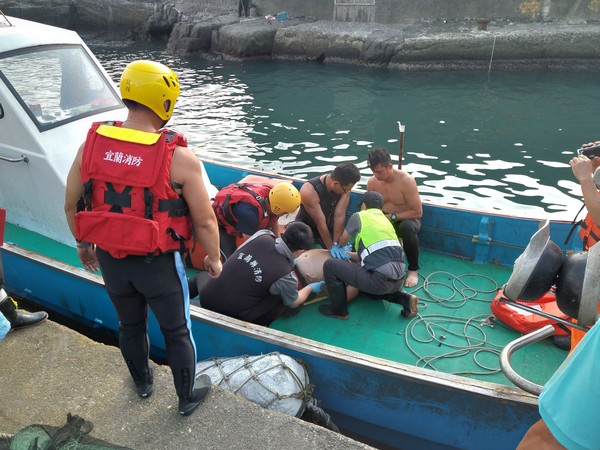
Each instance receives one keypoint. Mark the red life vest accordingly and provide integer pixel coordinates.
(589, 232)
(251, 189)
(130, 207)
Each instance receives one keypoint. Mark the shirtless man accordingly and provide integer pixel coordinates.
(402, 205)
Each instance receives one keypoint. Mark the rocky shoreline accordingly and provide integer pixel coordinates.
(418, 45)
(190, 31)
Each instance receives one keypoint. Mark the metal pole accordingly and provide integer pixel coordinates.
(517, 344)
(401, 150)
(546, 315)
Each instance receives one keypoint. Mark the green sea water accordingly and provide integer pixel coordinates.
(488, 140)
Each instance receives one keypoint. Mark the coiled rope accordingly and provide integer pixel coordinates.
(441, 329)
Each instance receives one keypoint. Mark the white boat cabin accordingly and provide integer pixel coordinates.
(51, 89)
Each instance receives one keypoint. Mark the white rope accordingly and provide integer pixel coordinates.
(435, 328)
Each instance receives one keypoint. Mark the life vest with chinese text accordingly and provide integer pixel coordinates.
(130, 207)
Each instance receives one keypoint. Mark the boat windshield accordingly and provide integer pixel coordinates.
(57, 84)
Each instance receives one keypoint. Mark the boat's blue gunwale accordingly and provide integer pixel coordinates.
(307, 346)
(367, 362)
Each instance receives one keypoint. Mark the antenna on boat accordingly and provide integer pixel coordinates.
(401, 149)
(5, 19)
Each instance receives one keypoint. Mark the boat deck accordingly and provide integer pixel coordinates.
(452, 333)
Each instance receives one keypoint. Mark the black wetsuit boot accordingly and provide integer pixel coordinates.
(190, 399)
(338, 307)
(135, 348)
(408, 301)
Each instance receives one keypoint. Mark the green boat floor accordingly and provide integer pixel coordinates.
(376, 328)
(435, 337)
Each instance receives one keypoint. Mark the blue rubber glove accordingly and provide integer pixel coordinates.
(348, 247)
(339, 253)
(316, 286)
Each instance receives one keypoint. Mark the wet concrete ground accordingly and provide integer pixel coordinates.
(48, 371)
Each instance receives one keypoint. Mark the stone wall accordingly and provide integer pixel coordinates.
(399, 11)
(391, 33)
(130, 15)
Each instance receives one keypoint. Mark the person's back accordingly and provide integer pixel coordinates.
(242, 290)
(258, 280)
(137, 242)
(380, 269)
(250, 205)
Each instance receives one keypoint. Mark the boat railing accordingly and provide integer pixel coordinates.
(517, 344)
(23, 158)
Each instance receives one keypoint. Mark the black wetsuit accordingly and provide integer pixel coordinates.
(408, 230)
(243, 8)
(329, 201)
(135, 283)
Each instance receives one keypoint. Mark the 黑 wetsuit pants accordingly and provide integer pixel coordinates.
(135, 283)
(408, 230)
(243, 8)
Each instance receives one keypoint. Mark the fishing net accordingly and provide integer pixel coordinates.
(274, 381)
(74, 435)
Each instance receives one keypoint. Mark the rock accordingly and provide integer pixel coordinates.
(193, 37)
(250, 38)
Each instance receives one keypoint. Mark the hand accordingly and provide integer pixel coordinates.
(347, 247)
(339, 253)
(87, 256)
(582, 167)
(213, 266)
(316, 287)
(313, 278)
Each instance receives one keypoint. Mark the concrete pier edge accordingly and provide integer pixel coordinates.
(48, 370)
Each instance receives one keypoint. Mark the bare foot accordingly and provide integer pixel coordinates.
(412, 278)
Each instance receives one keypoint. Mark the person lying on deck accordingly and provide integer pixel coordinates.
(258, 280)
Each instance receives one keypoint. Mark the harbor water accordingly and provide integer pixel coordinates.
(487, 140)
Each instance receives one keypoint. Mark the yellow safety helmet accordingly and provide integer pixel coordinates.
(284, 198)
(150, 83)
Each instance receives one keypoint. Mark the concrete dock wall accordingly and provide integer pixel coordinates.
(119, 14)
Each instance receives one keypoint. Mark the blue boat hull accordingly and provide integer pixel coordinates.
(372, 399)
(479, 236)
